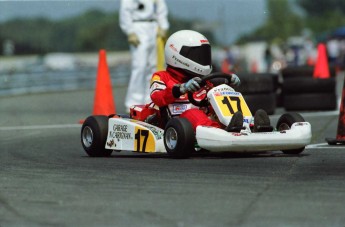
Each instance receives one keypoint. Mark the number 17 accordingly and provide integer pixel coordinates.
(227, 102)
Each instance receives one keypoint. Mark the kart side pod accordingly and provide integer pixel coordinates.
(133, 135)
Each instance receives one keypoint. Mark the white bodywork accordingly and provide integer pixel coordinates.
(132, 135)
(214, 139)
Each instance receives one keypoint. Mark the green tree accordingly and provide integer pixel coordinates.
(323, 16)
(90, 31)
(281, 23)
(319, 7)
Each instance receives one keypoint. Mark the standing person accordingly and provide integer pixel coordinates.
(268, 58)
(142, 21)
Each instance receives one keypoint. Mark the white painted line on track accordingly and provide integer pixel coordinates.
(33, 127)
(324, 146)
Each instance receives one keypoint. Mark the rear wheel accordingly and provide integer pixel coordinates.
(94, 135)
(179, 138)
(284, 123)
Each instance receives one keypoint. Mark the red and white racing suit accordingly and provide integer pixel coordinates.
(164, 92)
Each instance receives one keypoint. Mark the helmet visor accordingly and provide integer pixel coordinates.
(199, 54)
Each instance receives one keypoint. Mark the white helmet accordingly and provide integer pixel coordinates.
(189, 50)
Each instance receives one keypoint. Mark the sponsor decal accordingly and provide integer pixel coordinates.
(120, 132)
(200, 93)
(230, 93)
(197, 69)
(204, 41)
(156, 132)
(173, 47)
(157, 85)
(179, 108)
(220, 92)
(236, 134)
(111, 143)
(222, 89)
(300, 124)
(180, 61)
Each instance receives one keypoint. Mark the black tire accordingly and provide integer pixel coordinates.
(297, 71)
(179, 138)
(94, 135)
(284, 123)
(308, 85)
(266, 102)
(303, 71)
(256, 83)
(310, 102)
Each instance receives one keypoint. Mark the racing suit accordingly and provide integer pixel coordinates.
(142, 18)
(165, 93)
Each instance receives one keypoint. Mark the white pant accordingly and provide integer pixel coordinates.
(144, 61)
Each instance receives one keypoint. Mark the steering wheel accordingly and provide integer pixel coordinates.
(216, 75)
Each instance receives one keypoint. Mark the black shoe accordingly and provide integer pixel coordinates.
(236, 123)
(262, 122)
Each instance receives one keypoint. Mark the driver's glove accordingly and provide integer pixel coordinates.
(191, 85)
(235, 81)
(133, 39)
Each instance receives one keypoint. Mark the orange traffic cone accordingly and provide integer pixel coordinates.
(340, 138)
(321, 69)
(103, 101)
(225, 68)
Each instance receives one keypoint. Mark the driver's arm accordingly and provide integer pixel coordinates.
(161, 91)
(191, 85)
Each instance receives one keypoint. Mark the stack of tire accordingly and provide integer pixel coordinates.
(302, 92)
(259, 91)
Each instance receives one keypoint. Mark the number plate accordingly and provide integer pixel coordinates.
(226, 102)
(230, 103)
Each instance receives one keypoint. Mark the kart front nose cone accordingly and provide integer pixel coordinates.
(87, 136)
(171, 138)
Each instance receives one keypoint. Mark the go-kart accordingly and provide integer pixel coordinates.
(146, 129)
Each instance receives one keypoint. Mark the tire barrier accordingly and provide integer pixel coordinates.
(310, 101)
(303, 71)
(301, 91)
(308, 85)
(259, 91)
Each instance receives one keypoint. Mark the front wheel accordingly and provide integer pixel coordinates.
(284, 123)
(179, 138)
(94, 135)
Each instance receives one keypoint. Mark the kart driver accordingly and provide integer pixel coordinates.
(188, 58)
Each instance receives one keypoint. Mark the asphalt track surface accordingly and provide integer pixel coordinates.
(46, 179)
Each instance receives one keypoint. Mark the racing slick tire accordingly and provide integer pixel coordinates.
(310, 101)
(94, 135)
(303, 71)
(179, 138)
(284, 123)
(308, 85)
